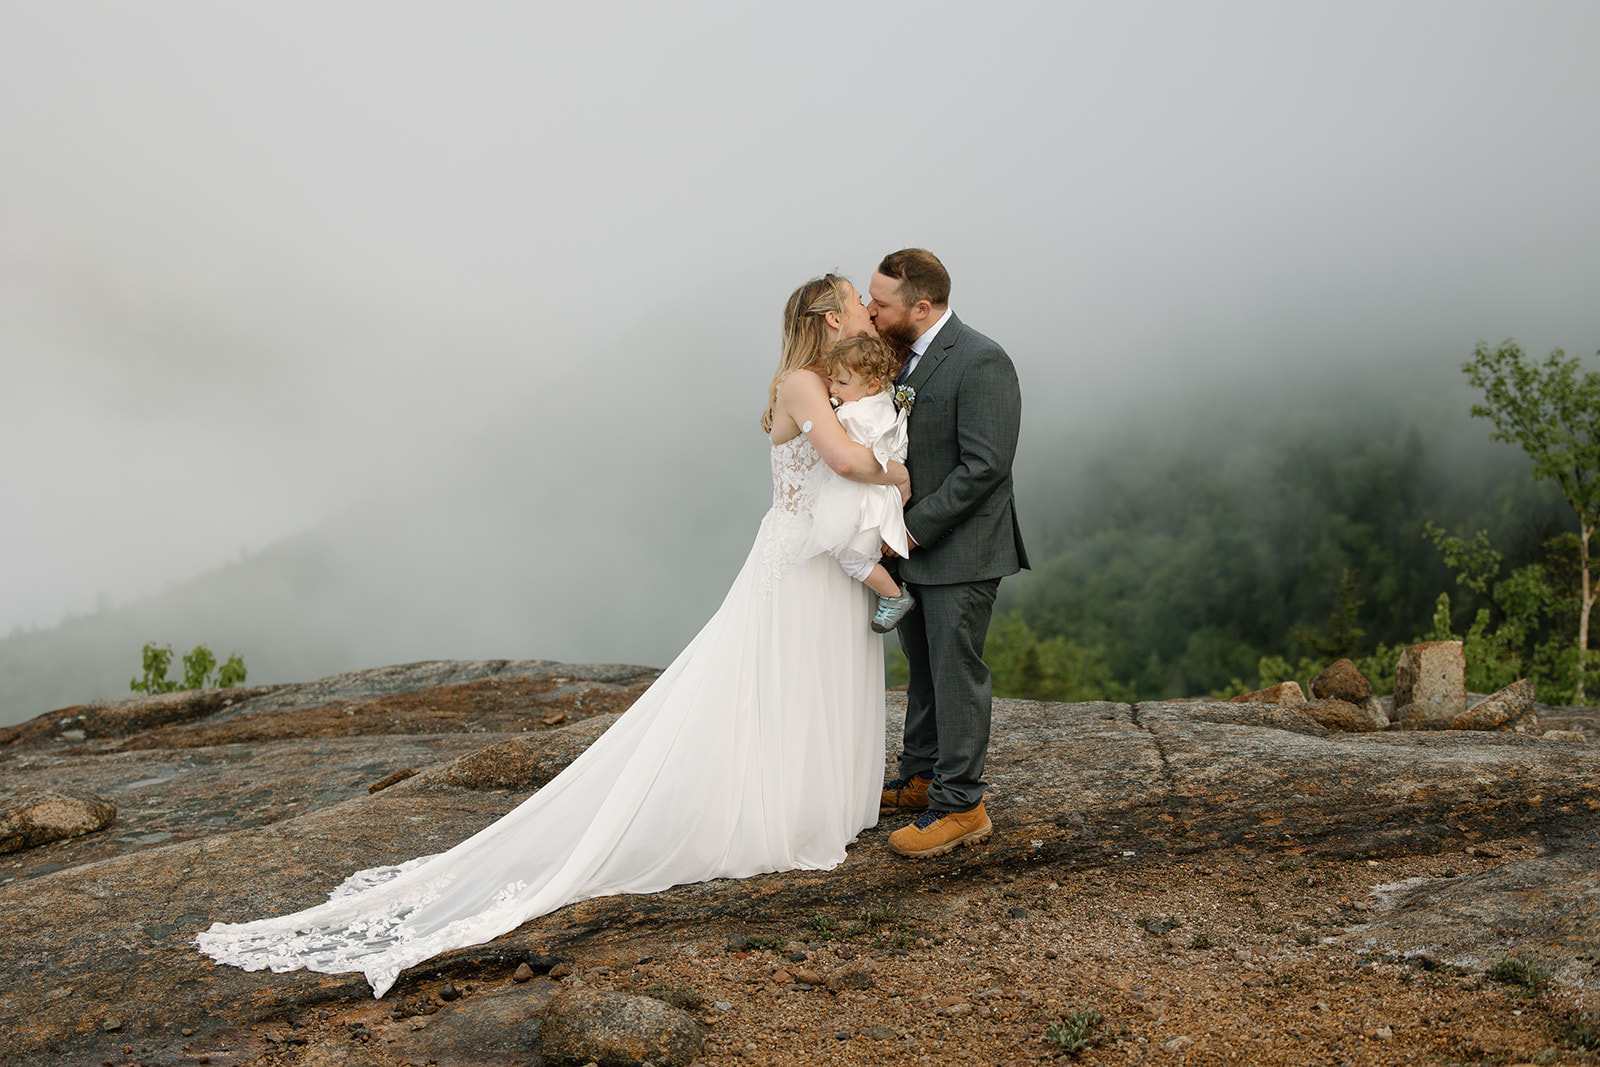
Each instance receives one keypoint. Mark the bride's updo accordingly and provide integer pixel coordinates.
(805, 331)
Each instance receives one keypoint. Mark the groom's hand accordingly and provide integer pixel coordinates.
(911, 542)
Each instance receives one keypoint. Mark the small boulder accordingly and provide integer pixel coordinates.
(38, 818)
(1341, 681)
(617, 1030)
(1566, 735)
(1285, 694)
(1499, 711)
(1343, 715)
(850, 978)
(1430, 685)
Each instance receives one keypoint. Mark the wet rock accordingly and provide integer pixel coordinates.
(37, 818)
(1430, 684)
(1500, 710)
(1342, 715)
(526, 762)
(617, 1030)
(391, 779)
(488, 1031)
(1538, 909)
(1286, 694)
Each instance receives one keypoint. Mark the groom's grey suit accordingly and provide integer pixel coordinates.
(963, 437)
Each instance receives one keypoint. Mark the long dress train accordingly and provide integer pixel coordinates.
(759, 749)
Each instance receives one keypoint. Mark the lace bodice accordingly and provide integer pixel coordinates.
(793, 465)
(796, 471)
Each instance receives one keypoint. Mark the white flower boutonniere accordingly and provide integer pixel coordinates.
(904, 397)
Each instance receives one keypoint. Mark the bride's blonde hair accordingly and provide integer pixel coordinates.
(805, 331)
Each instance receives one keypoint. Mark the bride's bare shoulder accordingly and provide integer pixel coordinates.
(804, 381)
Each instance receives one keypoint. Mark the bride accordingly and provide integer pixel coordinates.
(759, 749)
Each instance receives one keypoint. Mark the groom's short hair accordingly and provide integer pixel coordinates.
(920, 274)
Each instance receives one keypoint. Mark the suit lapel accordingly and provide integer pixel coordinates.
(936, 353)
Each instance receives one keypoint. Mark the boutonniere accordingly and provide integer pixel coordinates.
(904, 397)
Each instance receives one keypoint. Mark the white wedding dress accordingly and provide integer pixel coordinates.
(759, 749)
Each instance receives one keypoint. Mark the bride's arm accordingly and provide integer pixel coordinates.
(804, 396)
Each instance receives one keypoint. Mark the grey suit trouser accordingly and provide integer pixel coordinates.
(948, 695)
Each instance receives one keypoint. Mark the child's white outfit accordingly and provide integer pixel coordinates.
(851, 519)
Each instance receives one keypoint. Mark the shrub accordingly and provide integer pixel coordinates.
(1075, 1031)
(198, 663)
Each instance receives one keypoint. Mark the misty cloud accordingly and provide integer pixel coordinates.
(262, 269)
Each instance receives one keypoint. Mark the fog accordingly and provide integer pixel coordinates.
(487, 294)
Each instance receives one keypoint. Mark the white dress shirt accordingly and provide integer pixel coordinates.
(920, 345)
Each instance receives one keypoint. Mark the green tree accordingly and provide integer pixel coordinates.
(156, 660)
(1341, 637)
(198, 664)
(1551, 411)
(1022, 664)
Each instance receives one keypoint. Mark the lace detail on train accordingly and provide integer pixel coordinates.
(363, 929)
(796, 470)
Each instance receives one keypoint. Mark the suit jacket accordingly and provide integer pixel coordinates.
(963, 425)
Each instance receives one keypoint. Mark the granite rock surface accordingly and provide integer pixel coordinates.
(260, 806)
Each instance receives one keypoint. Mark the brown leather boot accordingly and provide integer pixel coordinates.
(904, 794)
(933, 833)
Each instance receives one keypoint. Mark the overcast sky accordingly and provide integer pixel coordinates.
(261, 263)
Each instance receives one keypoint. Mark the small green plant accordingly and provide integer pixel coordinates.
(1305, 937)
(898, 938)
(1582, 1032)
(1200, 941)
(1524, 973)
(822, 924)
(1075, 1031)
(198, 663)
(879, 912)
(755, 941)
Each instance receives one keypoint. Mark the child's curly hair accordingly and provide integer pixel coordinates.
(867, 356)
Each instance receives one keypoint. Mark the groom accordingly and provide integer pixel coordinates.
(964, 539)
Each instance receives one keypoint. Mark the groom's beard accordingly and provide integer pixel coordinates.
(899, 336)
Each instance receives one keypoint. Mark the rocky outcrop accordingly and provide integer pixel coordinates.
(1285, 694)
(1343, 715)
(1342, 681)
(617, 1030)
(38, 818)
(99, 928)
(1539, 910)
(1509, 709)
(1430, 687)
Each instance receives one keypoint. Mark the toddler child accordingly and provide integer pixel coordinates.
(851, 520)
